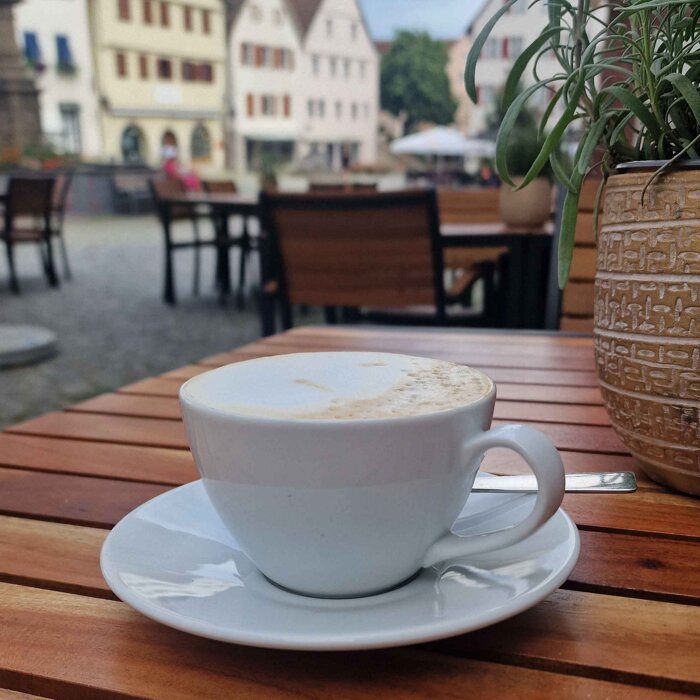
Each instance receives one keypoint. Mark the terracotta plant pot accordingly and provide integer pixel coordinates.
(647, 320)
(531, 206)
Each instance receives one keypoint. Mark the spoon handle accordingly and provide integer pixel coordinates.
(593, 482)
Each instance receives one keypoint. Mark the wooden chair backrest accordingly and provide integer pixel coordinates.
(473, 205)
(331, 188)
(60, 192)
(30, 196)
(575, 302)
(163, 187)
(357, 250)
(220, 186)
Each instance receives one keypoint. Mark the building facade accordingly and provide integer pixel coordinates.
(512, 34)
(160, 79)
(456, 60)
(264, 60)
(54, 37)
(339, 84)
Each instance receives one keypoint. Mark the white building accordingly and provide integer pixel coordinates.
(340, 83)
(54, 35)
(512, 34)
(264, 62)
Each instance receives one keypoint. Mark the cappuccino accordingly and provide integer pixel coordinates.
(338, 386)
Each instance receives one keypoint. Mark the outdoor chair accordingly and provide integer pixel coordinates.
(132, 192)
(572, 309)
(466, 266)
(27, 219)
(162, 188)
(376, 256)
(58, 213)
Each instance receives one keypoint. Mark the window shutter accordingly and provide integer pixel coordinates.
(287, 105)
(251, 105)
(504, 48)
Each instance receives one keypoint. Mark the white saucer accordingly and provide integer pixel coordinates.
(174, 561)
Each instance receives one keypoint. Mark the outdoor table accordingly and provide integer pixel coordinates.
(626, 625)
(221, 208)
(525, 280)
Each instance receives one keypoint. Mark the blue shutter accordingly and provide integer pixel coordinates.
(65, 58)
(31, 47)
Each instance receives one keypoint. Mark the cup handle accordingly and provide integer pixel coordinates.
(545, 462)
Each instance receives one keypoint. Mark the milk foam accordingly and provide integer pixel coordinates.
(338, 386)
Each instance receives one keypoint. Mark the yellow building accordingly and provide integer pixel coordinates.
(160, 73)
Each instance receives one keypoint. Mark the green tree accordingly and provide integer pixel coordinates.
(414, 80)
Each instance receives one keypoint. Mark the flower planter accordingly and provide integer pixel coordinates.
(531, 206)
(647, 319)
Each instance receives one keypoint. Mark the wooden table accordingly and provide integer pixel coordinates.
(626, 624)
(525, 274)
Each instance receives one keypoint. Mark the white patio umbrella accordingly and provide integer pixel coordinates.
(442, 141)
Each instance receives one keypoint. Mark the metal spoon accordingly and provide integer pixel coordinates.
(594, 482)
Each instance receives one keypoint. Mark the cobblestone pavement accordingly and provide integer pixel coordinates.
(111, 324)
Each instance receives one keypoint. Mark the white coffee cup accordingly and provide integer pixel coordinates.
(333, 506)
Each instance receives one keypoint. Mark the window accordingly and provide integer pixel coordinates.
(366, 111)
(321, 108)
(363, 69)
(250, 102)
(206, 22)
(70, 127)
(164, 14)
(338, 109)
(200, 143)
(277, 17)
(247, 54)
(165, 68)
(346, 67)
(189, 71)
(315, 61)
(353, 110)
(289, 59)
(143, 67)
(515, 46)
(287, 105)
(187, 17)
(256, 12)
(278, 58)
(133, 144)
(329, 27)
(147, 11)
(268, 105)
(491, 48)
(124, 10)
(310, 105)
(206, 73)
(32, 51)
(353, 31)
(64, 56)
(334, 66)
(268, 56)
(121, 64)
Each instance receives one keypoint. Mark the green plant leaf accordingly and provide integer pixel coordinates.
(591, 141)
(635, 105)
(567, 234)
(688, 91)
(561, 175)
(477, 46)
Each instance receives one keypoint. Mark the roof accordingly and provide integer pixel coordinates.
(232, 9)
(305, 10)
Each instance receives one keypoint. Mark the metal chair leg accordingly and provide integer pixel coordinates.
(197, 258)
(64, 256)
(50, 267)
(14, 282)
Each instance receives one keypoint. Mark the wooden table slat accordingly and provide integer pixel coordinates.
(101, 644)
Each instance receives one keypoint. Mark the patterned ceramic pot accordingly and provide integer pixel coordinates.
(647, 320)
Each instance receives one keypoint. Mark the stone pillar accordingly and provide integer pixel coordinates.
(20, 124)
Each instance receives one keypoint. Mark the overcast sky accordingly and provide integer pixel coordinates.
(443, 19)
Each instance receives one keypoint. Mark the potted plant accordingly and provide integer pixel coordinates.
(629, 79)
(530, 205)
